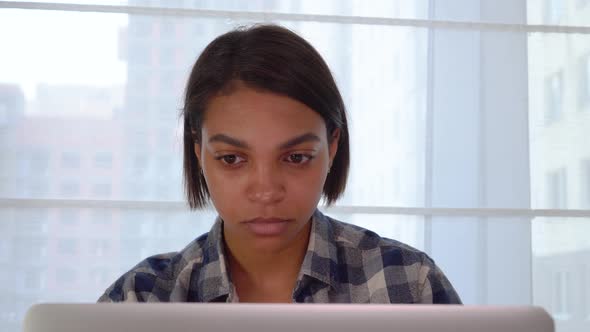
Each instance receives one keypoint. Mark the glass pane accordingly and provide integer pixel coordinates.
(561, 270)
(104, 124)
(486, 259)
(74, 254)
(533, 12)
(559, 120)
(385, 92)
(406, 229)
(478, 88)
(558, 12)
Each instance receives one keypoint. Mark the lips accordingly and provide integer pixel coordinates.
(267, 226)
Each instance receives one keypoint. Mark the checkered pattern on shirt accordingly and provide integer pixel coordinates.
(343, 264)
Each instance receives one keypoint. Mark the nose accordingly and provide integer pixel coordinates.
(266, 185)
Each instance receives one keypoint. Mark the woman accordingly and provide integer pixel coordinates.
(265, 137)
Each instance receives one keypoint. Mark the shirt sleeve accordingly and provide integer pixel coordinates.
(123, 290)
(435, 287)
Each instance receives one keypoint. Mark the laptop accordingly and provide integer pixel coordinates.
(228, 317)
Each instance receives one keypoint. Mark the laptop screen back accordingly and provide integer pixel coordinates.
(176, 317)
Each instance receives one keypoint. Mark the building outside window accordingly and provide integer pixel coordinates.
(554, 95)
(3, 115)
(462, 124)
(99, 247)
(34, 279)
(67, 246)
(101, 190)
(586, 282)
(553, 11)
(70, 160)
(103, 160)
(101, 216)
(586, 185)
(561, 295)
(69, 217)
(584, 81)
(66, 276)
(557, 189)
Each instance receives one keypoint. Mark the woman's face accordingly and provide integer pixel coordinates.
(265, 158)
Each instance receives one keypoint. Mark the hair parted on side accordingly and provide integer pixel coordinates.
(270, 58)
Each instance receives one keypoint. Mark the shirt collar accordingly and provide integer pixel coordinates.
(213, 280)
(321, 258)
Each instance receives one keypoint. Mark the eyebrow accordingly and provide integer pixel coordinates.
(223, 138)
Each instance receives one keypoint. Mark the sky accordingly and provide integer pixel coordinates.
(55, 47)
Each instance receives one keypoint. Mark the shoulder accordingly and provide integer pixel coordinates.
(155, 278)
(404, 273)
(363, 241)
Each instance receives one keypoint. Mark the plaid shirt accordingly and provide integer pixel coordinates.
(343, 264)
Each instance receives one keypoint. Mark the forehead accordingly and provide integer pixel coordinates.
(259, 116)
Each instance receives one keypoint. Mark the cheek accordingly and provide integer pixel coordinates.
(226, 196)
(223, 187)
(307, 185)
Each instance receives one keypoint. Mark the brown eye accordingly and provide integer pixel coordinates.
(230, 159)
(296, 158)
(299, 158)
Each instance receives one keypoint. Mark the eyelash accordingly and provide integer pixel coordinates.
(306, 159)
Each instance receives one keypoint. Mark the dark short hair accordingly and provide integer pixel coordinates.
(268, 58)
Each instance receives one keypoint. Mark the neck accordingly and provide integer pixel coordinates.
(265, 266)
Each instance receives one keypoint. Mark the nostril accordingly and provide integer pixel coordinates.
(264, 196)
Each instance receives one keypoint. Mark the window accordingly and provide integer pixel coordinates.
(584, 82)
(5, 248)
(101, 190)
(141, 26)
(31, 221)
(554, 95)
(167, 29)
(66, 277)
(101, 216)
(70, 160)
(473, 120)
(585, 183)
(100, 276)
(28, 250)
(3, 115)
(69, 217)
(138, 85)
(141, 165)
(140, 53)
(561, 295)
(34, 279)
(99, 247)
(103, 160)
(585, 283)
(553, 11)
(70, 188)
(557, 189)
(67, 246)
(39, 162)
(167, 79)
(37, 187)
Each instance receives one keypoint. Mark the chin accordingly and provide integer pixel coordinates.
(270, 245)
